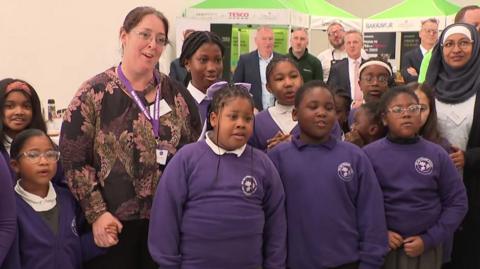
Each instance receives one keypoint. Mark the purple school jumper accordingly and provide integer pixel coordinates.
(334, 205)
(232, 219)
(37, 247)
(266, 128)
(8, 214)
(423, 191)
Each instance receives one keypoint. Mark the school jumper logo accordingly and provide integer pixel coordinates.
(424, 166)
(345, 171)
(249, 185)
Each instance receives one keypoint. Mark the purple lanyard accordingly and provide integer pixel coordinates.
(156, 108)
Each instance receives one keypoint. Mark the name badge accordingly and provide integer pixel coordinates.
(162, 156)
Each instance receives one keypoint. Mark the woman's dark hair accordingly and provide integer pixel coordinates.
(391, 78)
(193, 42)
(135, 15)
(37, 118)
(390, 94)
(308, 87)
(429, 130)
(275, 61)
(21, 139)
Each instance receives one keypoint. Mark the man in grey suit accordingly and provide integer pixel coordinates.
(412, 59)
(251, 68)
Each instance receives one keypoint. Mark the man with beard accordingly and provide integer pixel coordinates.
(336, 52)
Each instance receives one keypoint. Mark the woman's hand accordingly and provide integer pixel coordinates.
(106, 229)
(458, 157)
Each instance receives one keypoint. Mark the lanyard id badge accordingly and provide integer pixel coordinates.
(161, 154)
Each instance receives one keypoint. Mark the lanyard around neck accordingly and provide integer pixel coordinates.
(156, 109)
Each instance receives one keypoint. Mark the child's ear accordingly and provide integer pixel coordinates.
(383, 120)
(294, 114)
(268, 87)
(373, 129)
(213, 119)
(14, 164)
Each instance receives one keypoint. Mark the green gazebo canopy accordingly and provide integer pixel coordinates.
(418, 8)
(319, 8)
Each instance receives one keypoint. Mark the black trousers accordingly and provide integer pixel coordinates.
(131, 252)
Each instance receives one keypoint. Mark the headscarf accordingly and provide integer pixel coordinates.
(451, 85)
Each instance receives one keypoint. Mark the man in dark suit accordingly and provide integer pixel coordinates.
(344, 73)
(412, 60)
(251, 68)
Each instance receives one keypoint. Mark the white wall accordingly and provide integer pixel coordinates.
(57, 44)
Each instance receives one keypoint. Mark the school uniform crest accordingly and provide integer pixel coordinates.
(345, 171)
(424, 166)
(73, 226)
(249, 185)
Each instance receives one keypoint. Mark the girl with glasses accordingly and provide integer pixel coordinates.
(50, 232)
(424, 198)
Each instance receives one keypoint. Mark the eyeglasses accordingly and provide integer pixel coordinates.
(379, 79)
(337, 32)
(462, 44)
(398, 110)
(34, 156)
(160, 39)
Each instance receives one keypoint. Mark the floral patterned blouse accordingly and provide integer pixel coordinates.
(108, 148)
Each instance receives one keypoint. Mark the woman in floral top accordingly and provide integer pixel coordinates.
(113, 146)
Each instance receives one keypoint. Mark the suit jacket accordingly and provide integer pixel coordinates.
(339, 76)
(177, 72)
(248, 70)
(413, 58)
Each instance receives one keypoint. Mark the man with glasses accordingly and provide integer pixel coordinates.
(412, 59)
(336, 52)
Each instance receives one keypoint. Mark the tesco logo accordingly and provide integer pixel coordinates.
(238, 15)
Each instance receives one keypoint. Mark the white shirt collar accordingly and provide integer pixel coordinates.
(38, 203)
(424, 50)
(350, 60)
(281, 109)
(220, 151)
(196, 93)
(7, 143)
(267, 59)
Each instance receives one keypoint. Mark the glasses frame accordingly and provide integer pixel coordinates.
(398, 110)
(148, 36)
(461, 44)
(374, 78)
(29, 155)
